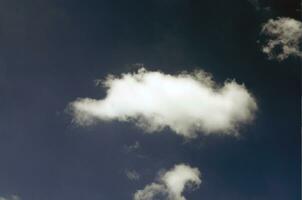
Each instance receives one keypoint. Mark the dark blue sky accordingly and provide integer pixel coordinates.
(51, 52)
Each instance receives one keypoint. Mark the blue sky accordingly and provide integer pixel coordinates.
(52, 52)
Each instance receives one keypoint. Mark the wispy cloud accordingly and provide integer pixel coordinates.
(187, 103)
(284, 37)
(171, 185)
(258, 6)
(255, 3)
(132, 147)
(12, 197)
(132, 175)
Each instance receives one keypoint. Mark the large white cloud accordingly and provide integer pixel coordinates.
(285, 35)
(171, 184)
(186, 103)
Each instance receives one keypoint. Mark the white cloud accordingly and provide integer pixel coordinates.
(171, 184)
(186, 103)
(132, 175)
(285, 35)
(12, 197)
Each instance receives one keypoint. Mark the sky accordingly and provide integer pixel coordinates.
(145, 100)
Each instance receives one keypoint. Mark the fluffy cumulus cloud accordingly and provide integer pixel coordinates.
(285, 35)
(187, 103)
(171, 185)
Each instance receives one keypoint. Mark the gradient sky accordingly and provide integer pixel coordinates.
(51, 52)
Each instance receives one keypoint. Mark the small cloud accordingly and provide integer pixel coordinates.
(132, 147)
(284, 37)
(132, 175)
(187, 103)
(12, 197)
(171, 184)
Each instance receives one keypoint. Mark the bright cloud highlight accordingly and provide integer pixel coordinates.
(187, 103)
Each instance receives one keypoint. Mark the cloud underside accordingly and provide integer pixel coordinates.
(171, 185)
(186, 103)
(284, 35)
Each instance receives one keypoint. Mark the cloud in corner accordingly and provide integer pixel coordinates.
(187, 103)
(284, 37)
